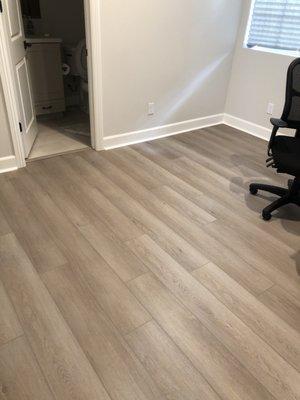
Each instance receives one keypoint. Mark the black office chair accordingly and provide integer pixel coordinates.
(284, 151)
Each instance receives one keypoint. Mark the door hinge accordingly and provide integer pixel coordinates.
(21, 127)
(26, 44)
(1, 7)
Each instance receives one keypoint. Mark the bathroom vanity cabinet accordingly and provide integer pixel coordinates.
(45, 67)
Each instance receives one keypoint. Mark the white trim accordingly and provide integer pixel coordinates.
(247, 126)
(8, 164)
(93, 14)
(289, 53)
(8, 84)
(112, 142)
(248, 25)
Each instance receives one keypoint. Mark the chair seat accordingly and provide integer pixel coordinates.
(286, 154)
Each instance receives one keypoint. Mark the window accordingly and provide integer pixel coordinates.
(275, 24)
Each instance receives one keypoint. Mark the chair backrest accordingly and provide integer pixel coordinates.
(291, 112)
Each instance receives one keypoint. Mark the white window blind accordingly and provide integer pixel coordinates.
(275, 24)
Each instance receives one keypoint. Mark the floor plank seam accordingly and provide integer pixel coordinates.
(10, 341)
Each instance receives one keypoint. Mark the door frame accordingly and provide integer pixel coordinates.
(92, 11)
(10, 96)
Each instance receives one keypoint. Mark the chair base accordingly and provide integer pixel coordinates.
(286, 196)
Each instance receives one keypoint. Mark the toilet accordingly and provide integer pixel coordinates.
(76, 58)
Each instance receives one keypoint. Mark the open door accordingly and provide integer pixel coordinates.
(16, 40)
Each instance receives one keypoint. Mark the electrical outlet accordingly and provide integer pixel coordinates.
(270, 109)
(151, 108)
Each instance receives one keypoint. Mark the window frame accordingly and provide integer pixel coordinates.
(261, 49)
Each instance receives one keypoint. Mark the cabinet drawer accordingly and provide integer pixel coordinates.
(49, 107)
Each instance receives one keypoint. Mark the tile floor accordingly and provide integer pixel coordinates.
(71, 132)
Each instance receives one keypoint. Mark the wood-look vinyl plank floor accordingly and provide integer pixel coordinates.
(116, 364)
(184, 226)
(234, 173)
(146, 273)
(113, 295)
(167, 364)
(98, 234)
(30, 232)
(20, 375)
(229, 378)
(115, 190)
(258, 317)
(176, 245)
(61, 359)
(258, 357)
(10, 327)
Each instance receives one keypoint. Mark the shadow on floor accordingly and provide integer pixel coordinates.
(288, 216)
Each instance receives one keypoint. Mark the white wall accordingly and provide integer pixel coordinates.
(257, 78)
(6, 147)
(176, 53)
(63, 19)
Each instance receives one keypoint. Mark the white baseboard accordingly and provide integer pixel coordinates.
(126, 139)
(8, 164)
(112, 142)
(247, 126)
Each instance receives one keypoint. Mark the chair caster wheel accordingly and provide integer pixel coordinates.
(253, 190)
(266, 216)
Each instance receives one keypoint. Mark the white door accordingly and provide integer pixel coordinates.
(15, 32)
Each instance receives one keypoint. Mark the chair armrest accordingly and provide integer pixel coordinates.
(279, 123)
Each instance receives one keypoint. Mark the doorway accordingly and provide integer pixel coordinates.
(48, 108)
(57, 62)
